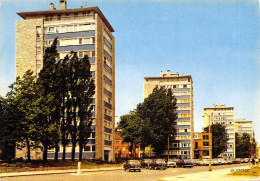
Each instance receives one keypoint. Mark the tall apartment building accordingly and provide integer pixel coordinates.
(85, 31)
(182, 89)
(243, 126)
(226, 116)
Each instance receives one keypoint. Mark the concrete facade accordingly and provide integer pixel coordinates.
(243, 126)
(85, 31)
(226, 116)
(182, 89)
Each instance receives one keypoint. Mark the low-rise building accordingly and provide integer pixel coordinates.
(201, 145)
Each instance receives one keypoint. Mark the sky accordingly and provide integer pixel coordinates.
(216, 42)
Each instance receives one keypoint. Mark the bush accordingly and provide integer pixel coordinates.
(19, 164)
(4, 165)
(12, 165)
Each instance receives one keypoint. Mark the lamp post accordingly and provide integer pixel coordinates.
(210, 143)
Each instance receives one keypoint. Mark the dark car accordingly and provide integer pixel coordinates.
(132, 165)
(146, 163)
(158, 164)
(184, 163)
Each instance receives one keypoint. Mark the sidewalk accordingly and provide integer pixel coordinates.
(56, 172)
(215, 175)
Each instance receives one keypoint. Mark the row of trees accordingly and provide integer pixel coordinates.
(151, 123)
(55, 107)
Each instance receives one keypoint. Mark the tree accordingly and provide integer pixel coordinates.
(158, 115)
(243, 145)
(46, 127)
(149, 151)
(7, 131)
(21, 106)
(131, 131)
(219, 138)
(152, 121)
(85, 92)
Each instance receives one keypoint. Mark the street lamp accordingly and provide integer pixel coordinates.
(210, 143)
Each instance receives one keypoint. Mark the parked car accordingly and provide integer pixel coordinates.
(215, 161)
(236, 161)
(158, 164)
(146, 163)
(222, 161)
(132, 165)
(203, 162)
(195, 162)
(171, 163)
(184, 163)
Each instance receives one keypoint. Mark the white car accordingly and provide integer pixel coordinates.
(171, 163)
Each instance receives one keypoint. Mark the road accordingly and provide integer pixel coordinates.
(120, 175)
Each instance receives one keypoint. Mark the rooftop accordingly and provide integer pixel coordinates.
(168, 75)
(24, 15)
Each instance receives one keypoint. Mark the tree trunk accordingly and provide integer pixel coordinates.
(56, 151)
(28, 149)
(64, 152)
(45, 151)
(73, 150)
(80, 151)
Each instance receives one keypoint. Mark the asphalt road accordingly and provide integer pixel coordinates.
(120, 175)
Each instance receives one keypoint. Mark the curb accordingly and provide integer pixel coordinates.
(55, 172)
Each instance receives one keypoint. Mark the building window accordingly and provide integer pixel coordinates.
(93, 134)
(174, 86)
(205, 144)
(80, 41)
(76, 15)
(184, 86)
(87, 148)
(93, 148)
(59, 16)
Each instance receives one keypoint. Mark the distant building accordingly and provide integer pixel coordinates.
(201, 145)
(243, 126)
(258, 151)
(226, 116)
(182, 89)
(122, 148)
(85, 31)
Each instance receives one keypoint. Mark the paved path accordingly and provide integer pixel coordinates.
(215, 175)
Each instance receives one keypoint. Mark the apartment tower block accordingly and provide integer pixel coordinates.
(85, 31)
(226, 116)
(182, 89)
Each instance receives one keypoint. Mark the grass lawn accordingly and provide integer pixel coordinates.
(250, 172)
(36, 165)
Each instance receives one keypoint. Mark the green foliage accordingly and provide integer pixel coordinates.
(152, 121)
(41, 112)
(242, 145)
(149, 151)
(7, 131)
(219, 138)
